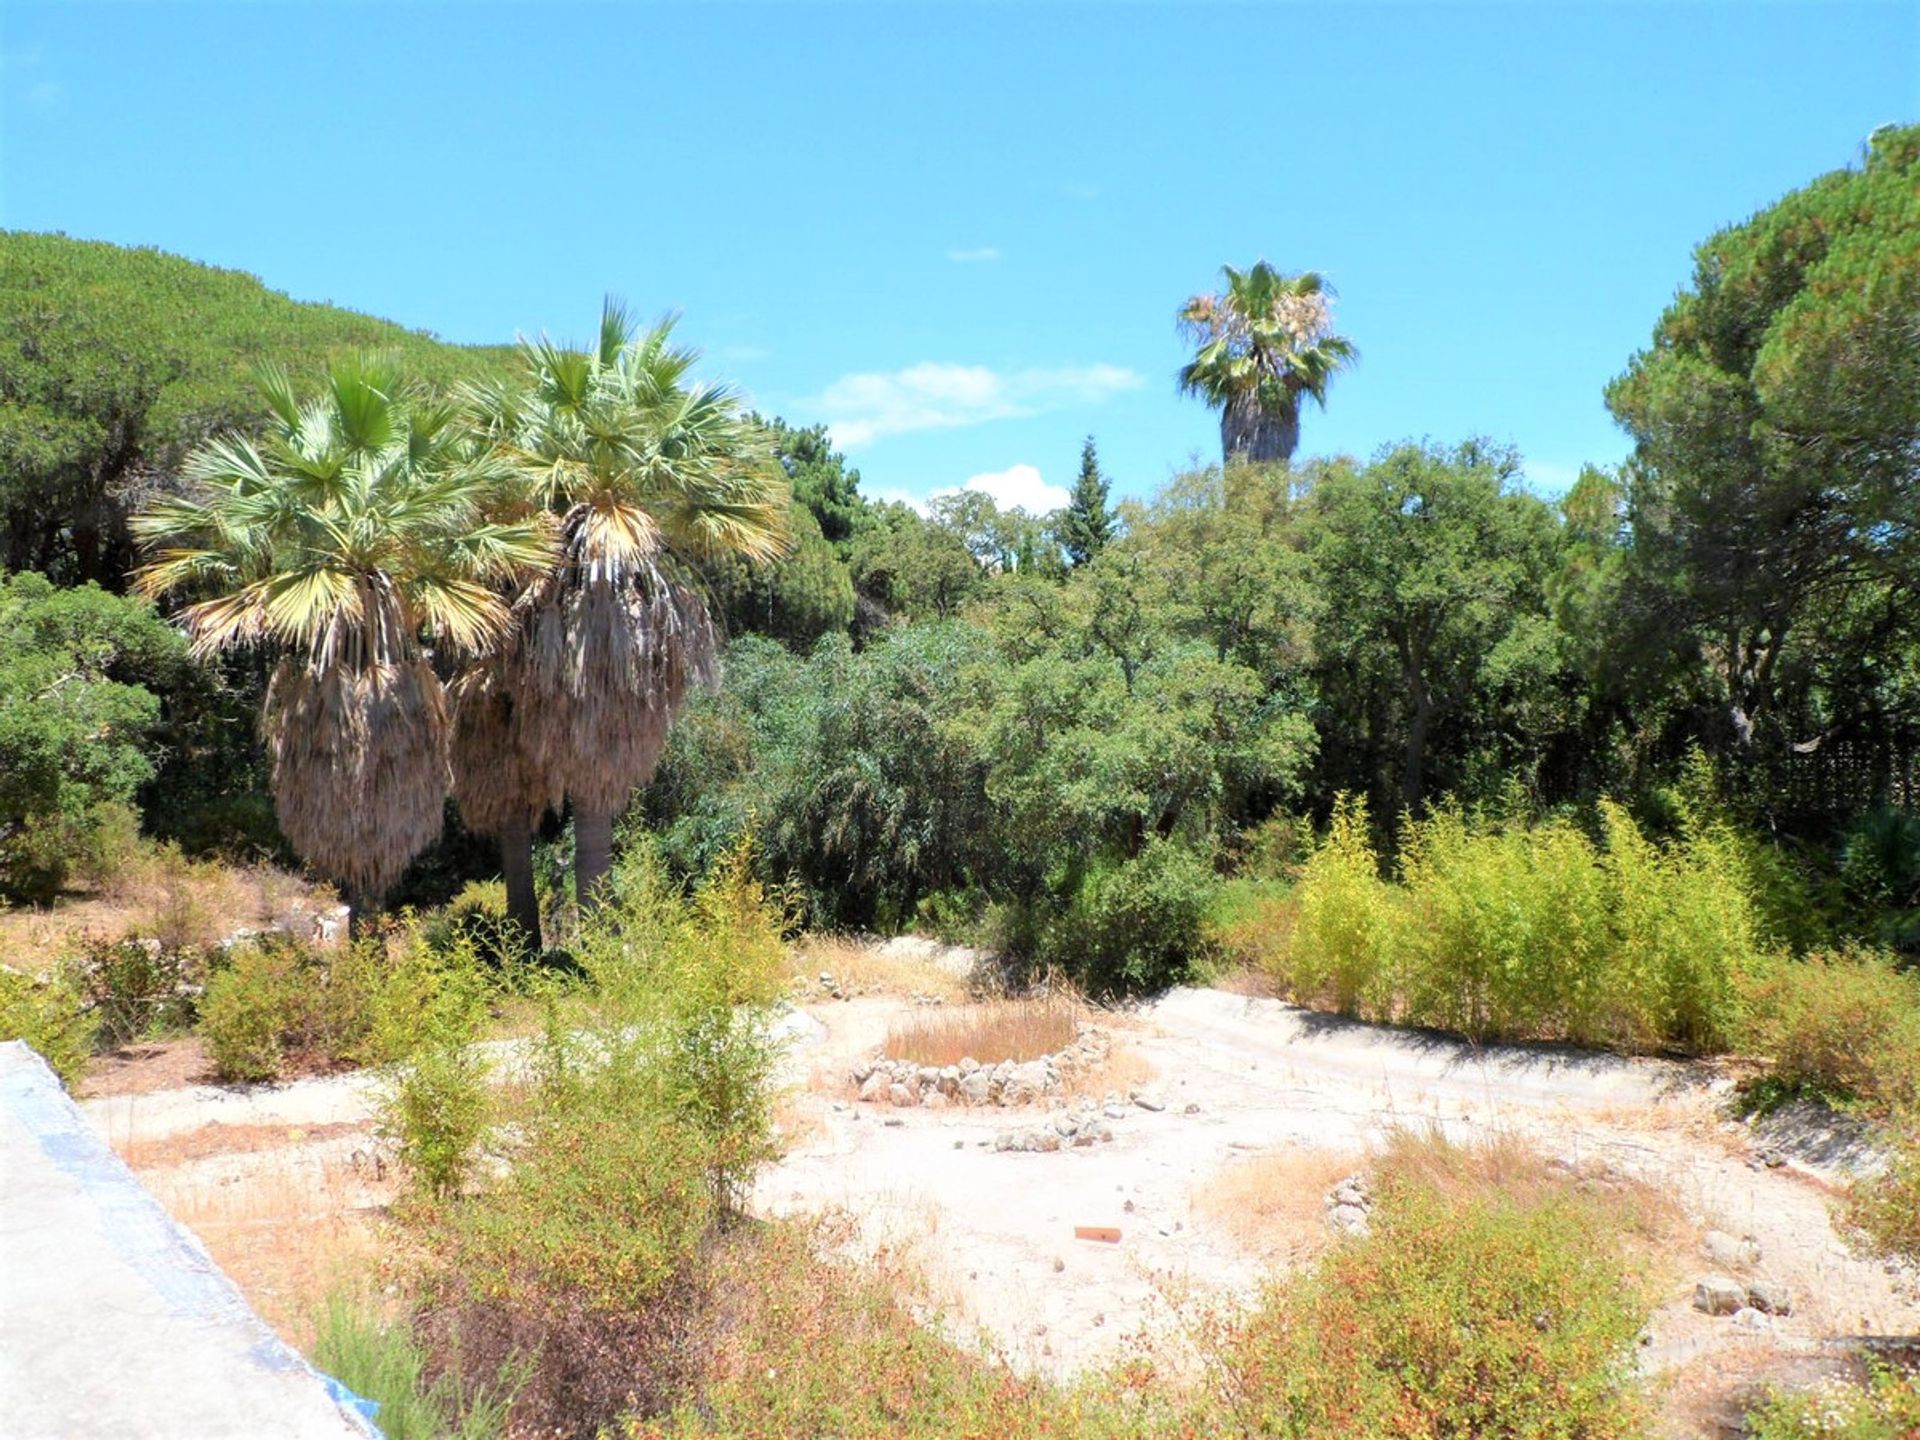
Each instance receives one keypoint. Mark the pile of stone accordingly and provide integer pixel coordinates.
(1750, 1301)
(1078, 1125)
(1010, 1082)
(1349, 1204)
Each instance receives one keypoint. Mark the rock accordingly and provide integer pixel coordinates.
(1113, 1111)
(874, 1087)
(1043, 1140)
(1103, 1131)
(1748, 1318)
(902, 1095)
(1192, 1109)
(968, 1065)
(1350, 1219)
(1027, 1082)
(936, 1101)
(1770, 1297)
(1351, 1191)
(1003, 1140)
(1729, 1252)
(949, 1079)
(976, 1087)
(1149, 1100)
(861, 1071)
(1719, 1295)
(894, 1120)
(1065, 1124)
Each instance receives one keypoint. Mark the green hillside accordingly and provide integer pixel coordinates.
(113, 360)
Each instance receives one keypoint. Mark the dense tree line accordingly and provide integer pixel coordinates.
(1062, 729)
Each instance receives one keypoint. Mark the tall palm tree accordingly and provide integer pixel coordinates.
(344, 539)
(1262, 343)
(648, 476)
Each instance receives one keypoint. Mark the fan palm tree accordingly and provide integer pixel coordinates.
(1261, 344)
(345, 538)
(647, 476)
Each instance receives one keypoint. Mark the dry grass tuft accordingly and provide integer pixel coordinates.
(860, 969)
(217, 1138)
(159, 893)
(1274, 1205)
(1123, 1070)
(1000, 1030)
(286, 1226)
(1651, 1224)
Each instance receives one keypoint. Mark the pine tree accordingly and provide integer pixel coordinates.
(1087, 524)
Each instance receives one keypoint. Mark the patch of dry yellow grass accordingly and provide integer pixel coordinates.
(287, 1229)
(797, 1123)
(991, 1032)
(860, 969)
(1274, 1205)
(1123, 1070)
(159, 893)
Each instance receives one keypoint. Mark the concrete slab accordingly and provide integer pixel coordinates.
(114, 1321)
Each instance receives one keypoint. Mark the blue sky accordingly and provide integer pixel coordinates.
(959, 233)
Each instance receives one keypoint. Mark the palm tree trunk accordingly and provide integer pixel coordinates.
(1259, 435)
(363, 908)
(592, 854)
(516, 868)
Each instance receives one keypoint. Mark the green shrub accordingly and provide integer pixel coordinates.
(1526, 932)
(379, 1359)
(135, 987)
(650, 1114)
(1343, 946)
(278, 996)
(249, 1007)
(1472, 1308)
(1885, 1208)
(1886, 1407)
(1136, 925)
(51, 1017)
(1685, 931)
(1504, 932)
(1841, 1026)
(425, 1017)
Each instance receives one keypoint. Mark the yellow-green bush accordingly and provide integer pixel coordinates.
(1526, 932)
(1348, 922)
(278, 997)
(1503, 932)
(1844, 1025)
(51, 1017)
(1685, 932)
(650, 1112)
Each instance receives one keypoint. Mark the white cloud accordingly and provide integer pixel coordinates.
(980, 256)
(863, 407)
(1018, 487)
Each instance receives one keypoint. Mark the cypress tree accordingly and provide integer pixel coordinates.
(1087, 523)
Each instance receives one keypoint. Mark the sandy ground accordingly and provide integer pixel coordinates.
(992, 1232)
